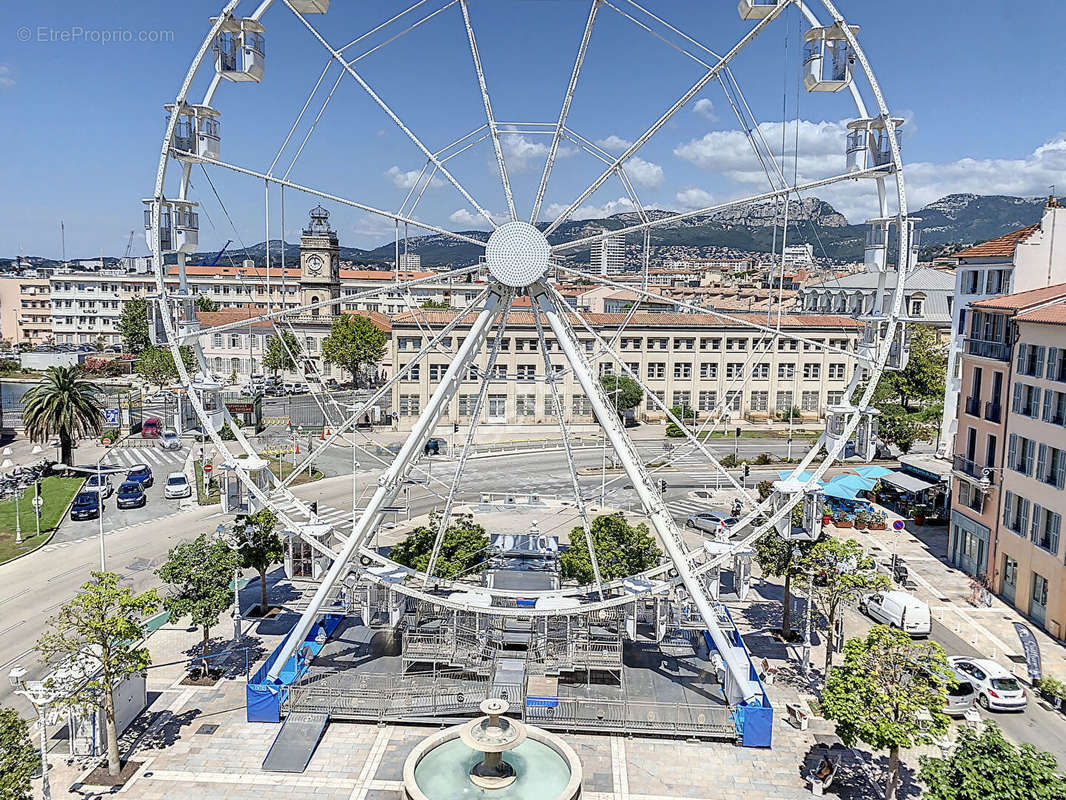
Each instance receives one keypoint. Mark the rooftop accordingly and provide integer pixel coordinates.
(650, 320)
(1054, 314)
(1021, 301)
(1001, 246)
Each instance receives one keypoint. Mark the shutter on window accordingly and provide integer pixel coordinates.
(1052, 362)
(1008, 505)
(1053, 521)
(1023, 513)
(1020, 366)
(1034, 531)
(1060, 469)
(1030, 452)
(1016, 405)
(1035, 405)
(1012, 451)
(1048, 396)
(1039, 361)
(1041, 462)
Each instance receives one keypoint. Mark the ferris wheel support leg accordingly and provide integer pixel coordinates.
(738, 685)
(392, 479)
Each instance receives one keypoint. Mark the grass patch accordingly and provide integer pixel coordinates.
(282, 468)
(202, 497)
(57, 493)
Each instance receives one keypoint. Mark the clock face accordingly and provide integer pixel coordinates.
(315, 264)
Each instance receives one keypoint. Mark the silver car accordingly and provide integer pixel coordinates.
(169, 440)
(961, 698)
(716, 523)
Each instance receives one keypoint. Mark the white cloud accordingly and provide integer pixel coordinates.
(608, 209)
(6, 81)
(406, 179)
(614, 144)
(472, 219)
(373, 227)
(705, 108)
(644, 172)
(519, 151)
(691, 199)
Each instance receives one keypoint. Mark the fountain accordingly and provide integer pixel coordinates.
(467, 761)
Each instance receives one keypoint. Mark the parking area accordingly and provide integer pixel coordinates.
(161, 462)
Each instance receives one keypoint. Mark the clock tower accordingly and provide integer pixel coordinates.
(320, 264)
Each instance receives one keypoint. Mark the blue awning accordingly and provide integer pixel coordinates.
(873, 471)
(844, 492)
(803, 477)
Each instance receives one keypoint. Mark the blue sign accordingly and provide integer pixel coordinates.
(898, 524)
(1031, 648)
(111, 416)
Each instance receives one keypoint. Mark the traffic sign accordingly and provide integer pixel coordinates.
(38, 501)
(898, 525)
(111, 416)
(207, 467)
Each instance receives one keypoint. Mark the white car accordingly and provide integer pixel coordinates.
(177, 486)
(898, 609)
(996, 688)
(169, 440)
(716, 523)
(101, 480)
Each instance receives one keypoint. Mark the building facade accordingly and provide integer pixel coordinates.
(927, 295)
(693, 360)
(609, 256)
(25, 310)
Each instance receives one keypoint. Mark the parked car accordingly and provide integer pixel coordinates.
(898, 609)
(435, 446)
(131, 495)
(997, 689)
(157, 398)
(142, 474)
(86, 505)
(716, 523)
(961, 698)
(169, 440)
(150, 428)
(277, 390)
(300, 388)
(101, 481)
(177, 486)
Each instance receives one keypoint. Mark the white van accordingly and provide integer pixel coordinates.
(898, 609)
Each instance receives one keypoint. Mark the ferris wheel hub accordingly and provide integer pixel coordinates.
(517, 254)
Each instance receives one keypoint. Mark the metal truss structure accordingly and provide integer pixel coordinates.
(521, 261)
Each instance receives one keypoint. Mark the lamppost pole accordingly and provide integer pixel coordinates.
(807, 624)
(40, 698)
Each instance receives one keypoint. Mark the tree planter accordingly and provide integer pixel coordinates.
(919, 520)
(844, 523)
(826, 519)
(878, 526)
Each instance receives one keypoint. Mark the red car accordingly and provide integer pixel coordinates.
(151, 428)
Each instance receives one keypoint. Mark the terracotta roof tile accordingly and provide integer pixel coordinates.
(652, 320)
(226, 316)
(1054, 314)
(1019, 301)
(1001, 246)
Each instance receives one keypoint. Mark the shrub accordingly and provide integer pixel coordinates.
(764, 458)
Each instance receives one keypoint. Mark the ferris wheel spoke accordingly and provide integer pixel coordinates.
(710, 75)
(347, 67)
(475, 419)
(564, 431)
(493, 128)
(553, 150)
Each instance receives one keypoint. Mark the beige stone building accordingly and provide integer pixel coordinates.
(25, 310)
(694, 360)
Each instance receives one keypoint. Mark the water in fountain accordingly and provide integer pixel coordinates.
(444, 773)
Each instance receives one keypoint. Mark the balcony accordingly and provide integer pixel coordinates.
(1000, 351)
(993, 412)
(973, 406)
(967, 466)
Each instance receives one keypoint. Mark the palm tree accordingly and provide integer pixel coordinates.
(66, 404)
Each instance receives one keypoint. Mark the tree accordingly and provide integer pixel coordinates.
(282, 350)
(463, 547)
(157, 365)
(684, 414)
(259, 546)
(438, 305)
(843, 572)
(133, 325)
(206, 304)
(103, 626)
(199, 573)
(986, 765)
(901, 428)
(621, 550)
(779, 557)
(18, 759)
(876, 694)
(66, 405)
(354, 344)
(623, 392)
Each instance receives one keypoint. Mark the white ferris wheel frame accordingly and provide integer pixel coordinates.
(686, 566)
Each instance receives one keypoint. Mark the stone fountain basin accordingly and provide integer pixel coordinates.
(570, 791)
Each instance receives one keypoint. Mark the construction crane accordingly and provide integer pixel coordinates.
(218, 255)
(129, 247)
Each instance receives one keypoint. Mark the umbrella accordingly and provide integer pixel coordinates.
(873, 471)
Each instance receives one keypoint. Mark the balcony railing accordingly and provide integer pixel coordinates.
(973, 406)
(1000, 351)
(968, 466)
(993, 412)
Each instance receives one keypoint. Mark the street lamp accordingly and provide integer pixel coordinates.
(230, 538)
(40, 697)
(17, 492)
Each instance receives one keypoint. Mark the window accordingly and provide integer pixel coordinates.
(235, 340)
(683, 369)
(1054, 407)
(1051, 466)
(582, 406)
(809, 401)
(916, 305)
(783, 401)
(970, 281)
(311, 344)
(814, 344)
(681, 399)
(1039, 591)
(761, 371)
(656, 369)
(812, 370)
(786, 370)
(235, 365)
(834, 398)
(714, 343)
(216, 340)
(408, 342)
(760, 401)
(1056, 364)
(733, 400)
(633, 367)
(630, 343)
(708, 369)
(836, 372)
(708, 400)
(1020, 453)
(1045, 529)
(1026, 400)
(786, 344)
(473, 373)
(526, 405)
(412, 373)
(606, 368)
(436, 372)
(971, 497)
(997, 281)
(651, 405)
(736, 344)
(499, 372)
(1015, 513)
(1031, 360)
(550, 409)
(410, 405)
(734, 369)
(684, 344)
(497, 404)
(657, 344)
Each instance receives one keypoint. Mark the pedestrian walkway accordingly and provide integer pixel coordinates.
(152, 456)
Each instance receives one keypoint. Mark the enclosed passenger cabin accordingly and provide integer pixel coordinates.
(310, 6)
(827, 59)
(868, 144)
(756, 9)
(179, 226)
(875, 254)
(196, 134)
(784, 494)
(873, 338)
(240, 50)
(864, 441)
(237, 497)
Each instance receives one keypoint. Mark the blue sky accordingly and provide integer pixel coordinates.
(981, 87)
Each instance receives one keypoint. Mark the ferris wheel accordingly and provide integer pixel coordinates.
(525, 258)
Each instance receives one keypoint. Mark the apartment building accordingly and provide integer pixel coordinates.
(608, 256)
(693, 360)
(25, 310)
(86, 306)
(1028, 258)
(1000, 379)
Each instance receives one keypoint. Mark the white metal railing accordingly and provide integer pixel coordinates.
(634, 716)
